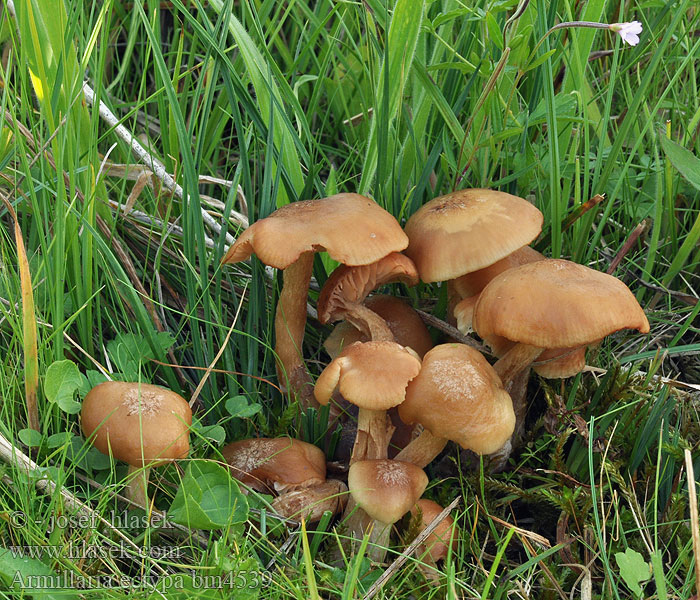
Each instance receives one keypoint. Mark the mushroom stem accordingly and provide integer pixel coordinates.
(369, 323)
(374, 431)
(290, 321)
(423, 449)
(514, 361)
(359, 523)
(137, 484)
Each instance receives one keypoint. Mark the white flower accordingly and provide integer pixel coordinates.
(629, 32)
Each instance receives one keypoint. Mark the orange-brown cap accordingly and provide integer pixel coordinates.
(469, 230)
(353, 229)
(472, 283)
(404, 322)
(280, 463)
(458, 396)
(556, 303)
(443, 536)
(141, 424)
(310, 503)
(386, 489)
(350, 285)
(371, 375)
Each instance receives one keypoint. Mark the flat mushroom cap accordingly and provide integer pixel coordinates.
(280, 463)
(371, 375)
(404, 322)
(458, 396)
(556, 303)
(386, 489)
(141, 424)
(468, 230)
(350, 285)
(353, 229)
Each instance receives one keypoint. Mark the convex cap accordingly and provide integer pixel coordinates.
(468, 230)
(139, 423)
(458, 396)
(386, 489)
(371, 375)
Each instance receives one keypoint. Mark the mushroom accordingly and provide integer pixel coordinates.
(280, 464)
(311, 502)
(468, 230)
(456, 396)
(373, 376)
(405, 324)
(342, 295)
(385, 490)
(552, 304)
(436, 546)
(353, 229)
(140, 424)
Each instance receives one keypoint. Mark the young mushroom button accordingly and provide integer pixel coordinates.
(353, 229)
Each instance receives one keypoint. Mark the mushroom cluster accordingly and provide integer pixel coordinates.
(410, 398)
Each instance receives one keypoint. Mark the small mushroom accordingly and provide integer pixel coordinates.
(353, 229)
(456, 396)
(373, 376)
(385, 490)
(140, 424)
(279, 464)
(436, 546)
(311, 502)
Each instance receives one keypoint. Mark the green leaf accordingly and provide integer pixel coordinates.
(685, 161)
(633, 569)
(59, 439)
(62, 381)
(495, 33)
(91, 379)
(212, 432)
(30, 576)
(238, 407)
(30, 437)
(209, 498)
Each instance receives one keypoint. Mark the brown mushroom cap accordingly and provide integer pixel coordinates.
(140, 424)
(556, 303)
(350, 285)
(404, 322)
(439, 541)
(353, 229)
(469, 230)
(310, 503)
(386, 489)
(280, 463)
(371, 375)
(472, 283)
(458, 396)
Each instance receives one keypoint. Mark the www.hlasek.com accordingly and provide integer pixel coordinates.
(177, 581)
(85, 551)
